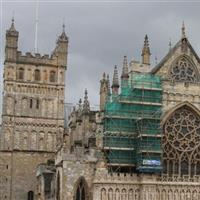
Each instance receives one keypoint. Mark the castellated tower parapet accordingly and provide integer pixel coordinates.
(57, 58)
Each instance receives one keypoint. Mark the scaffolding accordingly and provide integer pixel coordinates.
(132, 135)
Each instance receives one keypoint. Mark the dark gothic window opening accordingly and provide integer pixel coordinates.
(30, 195)
(37, 103)
(81, 192)
(31, 103)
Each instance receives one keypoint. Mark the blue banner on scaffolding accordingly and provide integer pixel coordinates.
(151, 162)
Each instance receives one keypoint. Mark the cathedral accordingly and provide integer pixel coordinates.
(142, 143)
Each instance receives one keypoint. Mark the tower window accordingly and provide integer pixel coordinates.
(31, 103)
(37, 103)
(21, 74)
(52, 76)
(37, 75)
(30, 195)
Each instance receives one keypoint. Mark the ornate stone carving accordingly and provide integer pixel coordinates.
(181, 143)
(183, 70)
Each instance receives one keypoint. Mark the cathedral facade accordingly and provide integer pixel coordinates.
(142, 144)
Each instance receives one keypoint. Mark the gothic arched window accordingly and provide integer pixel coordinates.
(37, 75)
(81, 191)
(183, 70)
(52, 77)
(37, 103)
(30, 195)
(31, 103)
(20, 74)
(181, 142)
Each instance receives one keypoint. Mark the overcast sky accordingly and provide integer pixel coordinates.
(100, 34)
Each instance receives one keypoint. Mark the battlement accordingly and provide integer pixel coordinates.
(107, 177)
(177, 178)
(37, 59)
(57, 58)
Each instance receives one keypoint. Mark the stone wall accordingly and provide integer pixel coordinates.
(144, 187)
(20, 173)
(5, 176)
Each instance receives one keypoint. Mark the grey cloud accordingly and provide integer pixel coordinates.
(101, 34)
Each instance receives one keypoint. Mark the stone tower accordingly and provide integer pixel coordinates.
(33, 112)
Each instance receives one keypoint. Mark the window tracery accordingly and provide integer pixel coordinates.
(181, 143)
(183, 70)
(81, 191)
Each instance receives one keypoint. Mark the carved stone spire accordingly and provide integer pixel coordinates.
(61, 49)
(103, 83)
(125, 75)
(104, 76)
(80, 105)
(115, 78)
(12, 29)
(183, 30)
(184, 43)
(103, 91)
(146, 52)
(170, 44)
(86, 104)
(115, 83)
(63, 36)
(108, 84)
(63, 27)
(79, 110)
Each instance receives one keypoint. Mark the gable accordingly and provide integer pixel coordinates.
(182, 49)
